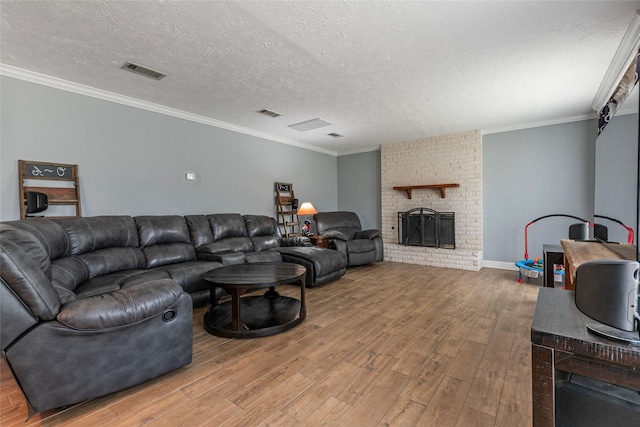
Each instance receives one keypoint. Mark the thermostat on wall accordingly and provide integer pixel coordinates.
(190, 176)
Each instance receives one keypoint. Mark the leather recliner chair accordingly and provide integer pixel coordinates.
(346, 235)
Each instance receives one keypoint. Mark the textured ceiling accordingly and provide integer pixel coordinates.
(381, 72)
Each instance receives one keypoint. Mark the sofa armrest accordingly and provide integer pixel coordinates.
(295, 241)
(333, 234)
(367, 234)
(122, 307)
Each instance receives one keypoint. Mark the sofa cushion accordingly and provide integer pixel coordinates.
(199, 229)
(229, 230)
(165, 240)
(260, 225)
(158, 229)
(107, 260)
(115, 281)
(227, 225)
(123, 307)
(66, 274)
(324, 261)
(361, 245)
(263, 232)
(189, 275)
(49, 233)
(346, 223)
(263, 256)
(225, 258)
(93, 233)
(368, 234)
(263, 243)
(26, 279)
(104, 244)
(230, 244)
(323, 265)
(168, 253)
(27, 242)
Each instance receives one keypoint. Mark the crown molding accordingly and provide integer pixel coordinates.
(531, 125)
(363, 150)
(56, 83)
(621, 60)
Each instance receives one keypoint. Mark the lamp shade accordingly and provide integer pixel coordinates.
(307, 209)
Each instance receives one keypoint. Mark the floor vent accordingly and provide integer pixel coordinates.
(144, 71)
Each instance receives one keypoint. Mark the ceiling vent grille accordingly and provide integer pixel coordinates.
(310, 124)
(269, 113)
(144, 71)
(335, 135)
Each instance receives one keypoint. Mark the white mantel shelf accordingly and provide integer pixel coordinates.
(410, 188)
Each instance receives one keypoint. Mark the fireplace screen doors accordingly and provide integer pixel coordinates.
(427, 227)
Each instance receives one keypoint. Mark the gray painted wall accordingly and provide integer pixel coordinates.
(616, 189)
(526, 174)
(359, 187)
(132, 161)
(530, 173)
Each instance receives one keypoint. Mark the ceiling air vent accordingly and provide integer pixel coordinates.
(310, 124)
(335, 135)
(144, 71)
(269, 113)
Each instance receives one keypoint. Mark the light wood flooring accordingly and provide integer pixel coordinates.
(386, 345)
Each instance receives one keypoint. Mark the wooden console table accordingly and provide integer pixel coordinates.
(560, 342)
(576, 252)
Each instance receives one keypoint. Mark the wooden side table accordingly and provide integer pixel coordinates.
(320, 241)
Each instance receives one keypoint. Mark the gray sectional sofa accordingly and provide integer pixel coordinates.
(90, 306)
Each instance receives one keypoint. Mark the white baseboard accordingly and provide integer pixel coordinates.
(501, 265)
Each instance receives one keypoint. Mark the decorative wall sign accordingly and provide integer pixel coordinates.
(36, 170)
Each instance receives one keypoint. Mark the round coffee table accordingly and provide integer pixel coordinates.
(258, 315)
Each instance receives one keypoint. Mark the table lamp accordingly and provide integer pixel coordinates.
(306, 209)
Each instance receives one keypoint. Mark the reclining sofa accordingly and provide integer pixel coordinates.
(90, 306)
(346, 236)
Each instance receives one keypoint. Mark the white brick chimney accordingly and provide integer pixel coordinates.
(449, 159)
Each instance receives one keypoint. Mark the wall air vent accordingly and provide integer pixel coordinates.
(335, 135)
(269, 113)
(139, 69)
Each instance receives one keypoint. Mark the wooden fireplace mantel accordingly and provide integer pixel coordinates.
(410, 188)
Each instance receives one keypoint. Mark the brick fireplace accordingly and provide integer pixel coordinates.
(445, 159)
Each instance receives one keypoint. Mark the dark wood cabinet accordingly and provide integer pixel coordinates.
(561, 344)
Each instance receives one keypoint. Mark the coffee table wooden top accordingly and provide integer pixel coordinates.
(256, 275)
(255, 316)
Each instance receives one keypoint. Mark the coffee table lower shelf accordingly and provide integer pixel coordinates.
(260, 316)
